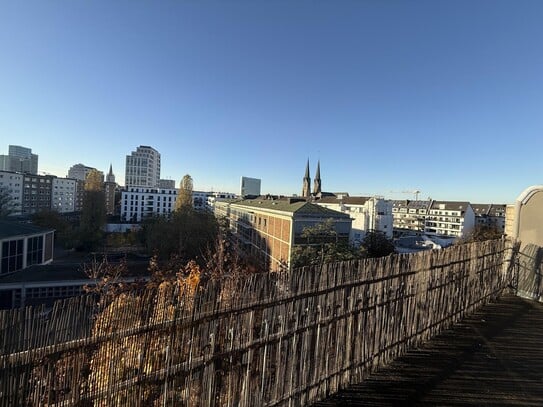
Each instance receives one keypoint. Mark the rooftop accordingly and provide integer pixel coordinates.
(296, 206)
(450, 205)
(65, 272)
(11, 229)
(347, 200)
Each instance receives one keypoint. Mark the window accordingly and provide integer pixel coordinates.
(34, 254)
(12, 256)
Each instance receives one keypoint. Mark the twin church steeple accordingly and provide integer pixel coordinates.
(317, 188)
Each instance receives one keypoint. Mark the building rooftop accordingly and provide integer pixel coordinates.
(11, 228)
(65, 272)
(296, 206)
(347, 200)
(450, 205)
(481, 209)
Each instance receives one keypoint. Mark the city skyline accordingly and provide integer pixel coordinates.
(444, 98)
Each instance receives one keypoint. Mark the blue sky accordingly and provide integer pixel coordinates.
(441, 96)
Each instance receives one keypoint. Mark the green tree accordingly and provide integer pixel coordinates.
(93, 212)
(7, 205)
(184, 197)
(322, 245)
(376, 244)
(186, 235)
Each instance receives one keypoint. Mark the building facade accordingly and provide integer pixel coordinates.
(367, 213)
(166, 184)
(410, 215)
(199, 200)
(138, 203)
(12, 184)
(110, 191)
(213, 197)
(490, 215)
(450, 218)
(63, 195)
(37, 193)
(19, 159)
(143, 168)
(23, 245)
(79, 172)
(269, 229)
(249, 187)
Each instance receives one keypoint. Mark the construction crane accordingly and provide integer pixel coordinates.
(415, 193)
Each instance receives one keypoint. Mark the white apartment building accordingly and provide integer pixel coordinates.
(12, 183)
(214, 197)
(450, 218)
(367, 213)
(199, 200)
(138, 203)
(143, 168)
(410, 215)
(63, 194)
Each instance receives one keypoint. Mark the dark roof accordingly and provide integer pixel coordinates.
(451, 205)
(285, 205)
(399, 203)
(61, 272)
(497, 210)
(11, 229)
(481, 209)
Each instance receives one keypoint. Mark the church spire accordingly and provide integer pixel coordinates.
(306, 189)
(110, 177)
(317, 182)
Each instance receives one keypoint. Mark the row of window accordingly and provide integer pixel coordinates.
(53, 292)
(12, 254)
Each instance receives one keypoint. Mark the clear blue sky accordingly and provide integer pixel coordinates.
(441, 96)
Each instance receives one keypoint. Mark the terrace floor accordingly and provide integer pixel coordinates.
(492, 358)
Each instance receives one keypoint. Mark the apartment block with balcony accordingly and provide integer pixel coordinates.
(268, 229)
(410, 215)
(450, 218)
(138, 203)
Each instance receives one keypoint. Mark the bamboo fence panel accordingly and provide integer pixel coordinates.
(272, 339)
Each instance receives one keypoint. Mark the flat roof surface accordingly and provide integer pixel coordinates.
(12, 229)
(61, 272)
(491, 358)
(283, 205)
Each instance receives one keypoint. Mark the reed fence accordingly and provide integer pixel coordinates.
(272, 339)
